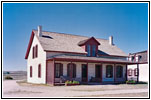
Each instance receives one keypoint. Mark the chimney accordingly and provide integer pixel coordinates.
(111, 40)
(39, 31)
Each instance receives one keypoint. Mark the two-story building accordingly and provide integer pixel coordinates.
(140, 71)
(51, 55)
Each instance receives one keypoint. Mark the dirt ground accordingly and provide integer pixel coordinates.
(22, 89)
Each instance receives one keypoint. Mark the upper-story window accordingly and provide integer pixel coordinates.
(88, 50)
(35, 52)
(139, 58)
(133, 58)
(90, 45)
(93, 50)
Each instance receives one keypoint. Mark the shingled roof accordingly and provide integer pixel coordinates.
(52, 41)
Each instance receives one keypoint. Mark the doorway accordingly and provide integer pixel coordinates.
(84, 73)
(98, 73)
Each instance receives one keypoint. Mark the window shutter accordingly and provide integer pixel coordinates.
(68, 71)
(96, 74)
(74, 71)
(61, 69)
(136, 72)
(30, 71)
(39, 70)
(129, 72)
(36, 50)
(33, 53)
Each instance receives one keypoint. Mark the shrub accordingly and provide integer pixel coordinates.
(8, 78)
(130, 82)
(68, 82)
(141, 82)
(75, 82)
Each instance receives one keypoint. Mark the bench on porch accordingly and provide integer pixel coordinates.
(63, 79)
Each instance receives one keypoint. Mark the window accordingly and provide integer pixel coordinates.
(109, 71)
(130, 72)
(58, 70)
(33, 53)
(98, 71)
(136, 72)
(36, 55)
(39, 70)
(30, 71)
(139, 58)
(119, 71)
(71, 70)
(88, 50)
(93, 50)
(133, 58)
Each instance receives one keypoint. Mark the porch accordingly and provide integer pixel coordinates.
(86, 71)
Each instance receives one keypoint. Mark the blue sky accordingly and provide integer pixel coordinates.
(126, 22)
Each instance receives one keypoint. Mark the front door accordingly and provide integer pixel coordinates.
(98, 73)
(84, 73)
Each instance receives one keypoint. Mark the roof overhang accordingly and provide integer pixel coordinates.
(29, 44)
(83, 42)
(90, 60)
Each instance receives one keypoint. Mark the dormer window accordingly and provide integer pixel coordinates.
(88, 50)
(90, 45)
(93, 50)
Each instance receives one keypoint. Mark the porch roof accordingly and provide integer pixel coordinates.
(89, 59)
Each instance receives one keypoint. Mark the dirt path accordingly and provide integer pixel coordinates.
(12, 89)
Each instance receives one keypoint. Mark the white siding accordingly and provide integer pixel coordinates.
(144, 72)
(41, 59)
(91, 70)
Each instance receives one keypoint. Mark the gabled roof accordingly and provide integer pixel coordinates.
(85, 41)
(61, 42)
(29, 44)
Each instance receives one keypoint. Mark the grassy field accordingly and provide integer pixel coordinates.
(16, 75)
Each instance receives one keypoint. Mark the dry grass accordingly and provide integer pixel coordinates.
(20, 92)
(116, 87)
(144, 94)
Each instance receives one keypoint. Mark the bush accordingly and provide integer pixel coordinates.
(71, 82)
(8, 78)
(141, 82)
(130, 82)
(75, 82)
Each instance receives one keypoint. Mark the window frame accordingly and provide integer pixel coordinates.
(110, 72)
(58, 70)
(136, 71)
(93, 50)
(36, 55)
(39, 71)
(88, 50)
(33, 54)
(31, 71)
(129, 72)
(119, 71)
(71, 70)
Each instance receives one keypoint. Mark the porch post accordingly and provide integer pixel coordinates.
(126, 73)
(114, 73)
(53, 72)
(101, 71)
(87, 72)
(137, 73)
